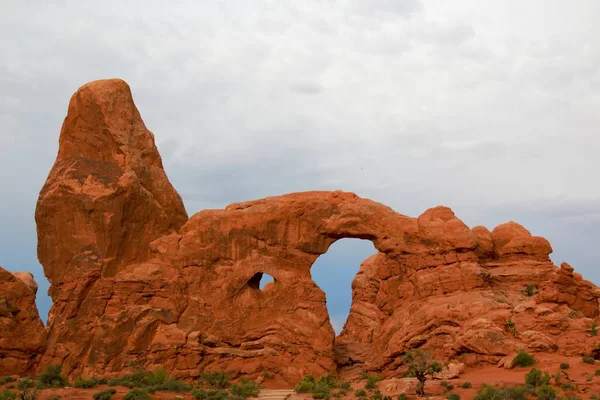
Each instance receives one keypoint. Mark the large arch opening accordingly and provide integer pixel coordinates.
(334, 272)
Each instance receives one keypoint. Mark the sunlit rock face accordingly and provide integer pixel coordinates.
(135, 283)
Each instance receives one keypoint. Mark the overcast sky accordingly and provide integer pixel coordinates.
(489, 107)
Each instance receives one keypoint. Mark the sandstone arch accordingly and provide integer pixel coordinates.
(135, 282)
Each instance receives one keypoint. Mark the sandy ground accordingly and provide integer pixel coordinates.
(580, 375)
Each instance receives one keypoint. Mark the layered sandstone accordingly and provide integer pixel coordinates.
(137, 284)
(22, 334)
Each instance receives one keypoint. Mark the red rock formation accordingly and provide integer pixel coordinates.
(22, 334)
(106, 198)
(135, 285)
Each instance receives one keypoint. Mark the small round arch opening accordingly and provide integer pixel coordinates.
(259, 280)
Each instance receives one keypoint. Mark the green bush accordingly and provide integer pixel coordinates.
(8, 395)
(25, 383)
(216, 380)
(453, 396)
(131, 381)
(372, 381)
(530, 290)
(360, 393)
(564, 365)
(306, 385)
(51, 377)
(89, 383)
(594, 329)
(546, 393)
(218, 394)
(567, 386)
(518, 392)
(137, 394)
(150, 381)
(6, 379)
(535, 378)
(597, 372)
(466, 385)
(588, 360)
(488, 392)
(447, 386)
(105, 394)
(245, 389)
(403, 396)
(170, 386)
(523, 359)
(376, 395)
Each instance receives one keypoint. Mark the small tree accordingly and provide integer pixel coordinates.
(421, 364)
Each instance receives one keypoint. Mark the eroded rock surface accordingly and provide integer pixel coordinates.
(22, 333)
(136, 284)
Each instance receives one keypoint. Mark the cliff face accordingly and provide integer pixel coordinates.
(22, 334)
(137, 284)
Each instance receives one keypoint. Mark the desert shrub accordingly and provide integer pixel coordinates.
(216, 380)
(134, 380)
(105, 394)
(594, 397)
(518, 392)
(588, 360)
(523, 359)
(51, 377)
(345, 385)
(27, 394)
(597, 372)
(567, 386)
(536, 378)
(360, 393)
(589, 378)
(594, 329)
(386, 398)
(546, 393)
(510, 326)
(421, 364)
(564, 365)
(488, 392)
(137, 394)
(218, 394)
(376, 395)
(486, 277)
(372, 381)
(55, 398)
(152, 381)
(6, 379)
(466, 385)
(25, 383)
(306, 385)
(267, 375)
(402, 396)
(557, 377)
(89, 383)
(8, 395)
(171, 385)
(453, 396)
(530, 290)
(245, 389)
(447, 386)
